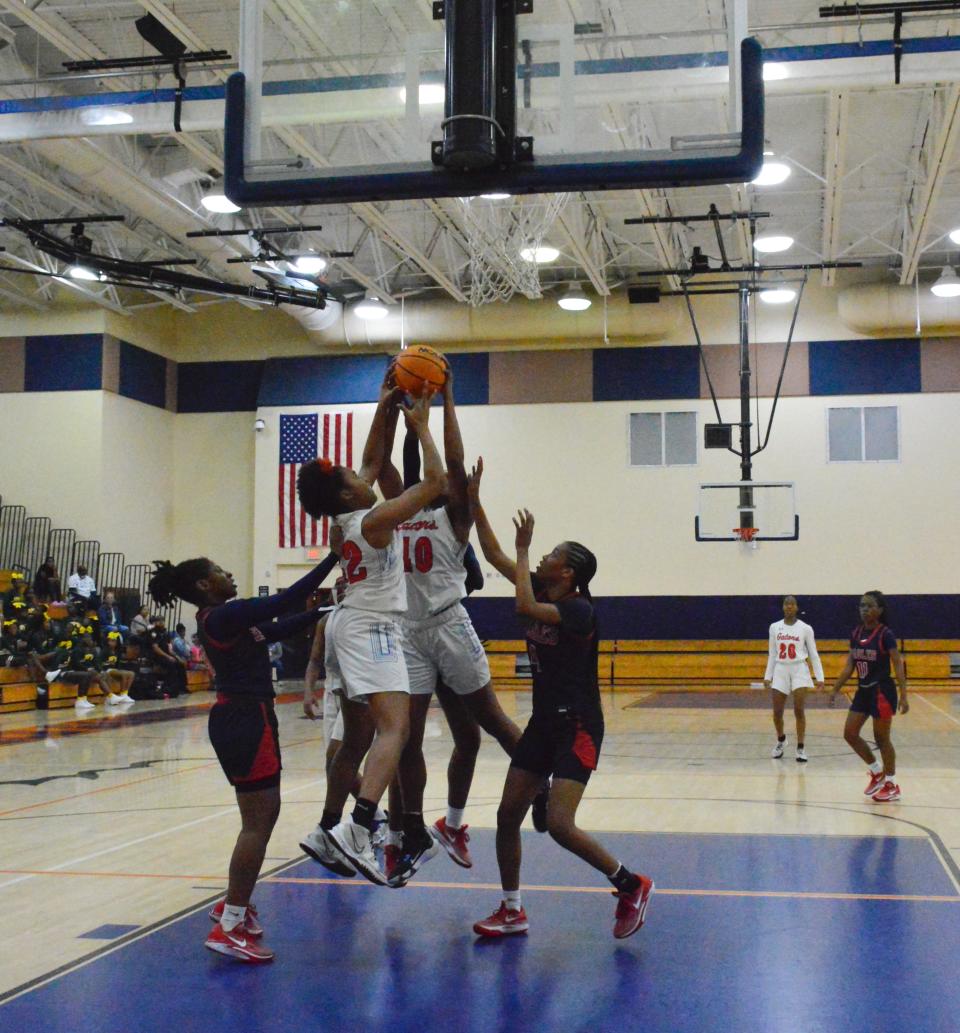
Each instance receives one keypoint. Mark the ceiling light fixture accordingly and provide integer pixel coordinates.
(309, 265)
(574, 300)
(778, 295)
(772, 174)
(495, 197)
(948, 286)
(955, 235)
(773, 71)
(81, 272)
(220, 204)
(542, 255)
(427, 93)
(105, 117)
(371, 307)
(772, 244)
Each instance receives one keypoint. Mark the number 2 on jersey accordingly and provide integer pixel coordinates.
(351, 556)
(787, 652)
(422, 555)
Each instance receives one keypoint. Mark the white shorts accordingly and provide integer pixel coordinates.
(787, 677)
(364, 650)
(332, 715)
(445, 647)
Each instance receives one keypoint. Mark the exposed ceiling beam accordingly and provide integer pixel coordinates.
(570, 222)
(935, 156)
(837, 132)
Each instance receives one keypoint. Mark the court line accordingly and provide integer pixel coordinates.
(933, 706)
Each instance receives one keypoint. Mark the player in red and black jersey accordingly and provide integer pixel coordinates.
(873, 647)
(565, 730)
(236, 636)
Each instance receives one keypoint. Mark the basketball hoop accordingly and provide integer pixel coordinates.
(746, 534)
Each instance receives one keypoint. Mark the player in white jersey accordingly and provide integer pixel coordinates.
(363, 635)
(791, 644)
(440, 644)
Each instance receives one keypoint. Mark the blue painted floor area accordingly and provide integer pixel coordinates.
(353, 958)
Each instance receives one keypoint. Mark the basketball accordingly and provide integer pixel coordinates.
(420, 368)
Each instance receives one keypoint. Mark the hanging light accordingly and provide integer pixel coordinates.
(371, 307)
(542, 255)
(773, 71)
(82, 272)
(772, 174)
(309, 265)
(778, 295)
(773, 243)
(219, 203)
(574, 300)
(955, 235)
(948, 286)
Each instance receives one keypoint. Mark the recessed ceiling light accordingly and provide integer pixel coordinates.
(309, 265)
(770, 245)
(778, 295)
(542, 255)
(105, 117)
(948, 286)
(81, 272)
(370, 308)
(219, 203)
(772, 174)
(774, 71)
(574, 300)
(495, 197)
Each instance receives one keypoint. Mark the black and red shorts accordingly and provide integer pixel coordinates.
(879, 700)
(564, 744)
(245, 738)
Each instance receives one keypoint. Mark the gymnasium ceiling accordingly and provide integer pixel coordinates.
(874, 165)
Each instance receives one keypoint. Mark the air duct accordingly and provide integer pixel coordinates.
(885, 310)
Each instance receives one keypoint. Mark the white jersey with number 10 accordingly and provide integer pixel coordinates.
(433, 563)
(374, 576)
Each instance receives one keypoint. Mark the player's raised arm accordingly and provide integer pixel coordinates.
(390, 481)
(489, 545)
(373, 450)
(458, 505)
(379, 524)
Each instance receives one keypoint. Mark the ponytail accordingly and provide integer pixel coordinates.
(584, 566)
(171, 582)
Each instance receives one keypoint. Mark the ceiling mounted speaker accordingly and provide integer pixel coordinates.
(643, 295)
(160, 37)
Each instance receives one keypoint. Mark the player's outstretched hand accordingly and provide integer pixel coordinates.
(418, 414)
(389, 392)
(473, 483)
(447, 388)
(904, 705)
(523, 522)
(336, 539)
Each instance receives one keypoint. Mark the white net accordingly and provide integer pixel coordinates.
(497, 232)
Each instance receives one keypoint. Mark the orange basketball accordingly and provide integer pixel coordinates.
(419, 368)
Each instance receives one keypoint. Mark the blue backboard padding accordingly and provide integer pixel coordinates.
(634, 374)
(218, 386)
(864, 367)
(64, 362)
(143, 375)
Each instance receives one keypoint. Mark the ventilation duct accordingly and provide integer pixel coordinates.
(885, 310)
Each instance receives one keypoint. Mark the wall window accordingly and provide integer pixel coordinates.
(868, 434)
(663, 439)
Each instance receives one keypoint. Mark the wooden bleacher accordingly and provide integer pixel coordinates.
(719, 665)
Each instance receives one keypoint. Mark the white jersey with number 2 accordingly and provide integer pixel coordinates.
(792, 644)
(374, 576)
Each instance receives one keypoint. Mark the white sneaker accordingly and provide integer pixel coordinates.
(801, 756)
(777, 751)
(52, 676)
(113, 698)
(352, 842)
(317, 845)
(125, 697)
(84, 704)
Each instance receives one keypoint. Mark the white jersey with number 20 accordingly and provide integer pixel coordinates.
(792, 644)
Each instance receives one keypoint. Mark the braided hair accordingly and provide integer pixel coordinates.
(584, 565)
(171, 582)
(319, 484)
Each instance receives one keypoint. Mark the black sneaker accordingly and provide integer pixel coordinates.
(539, 810)
(415, 854)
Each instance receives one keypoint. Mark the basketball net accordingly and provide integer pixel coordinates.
(496, 232)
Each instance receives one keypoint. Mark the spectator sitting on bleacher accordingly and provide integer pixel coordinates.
(198, 658)
(46, 583)
(14, 594)
(178, 644)
(81, 586)
(58, 664)
(109, 616)
(19, 644)
(140, 625)
(114, 668)
(157, 646)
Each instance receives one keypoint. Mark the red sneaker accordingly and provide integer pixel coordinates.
(874, 784)
(253, 927)
(503, 922)
(391, 855)
(237, 944)
(454, 841)
(887, 793)
(631, 908)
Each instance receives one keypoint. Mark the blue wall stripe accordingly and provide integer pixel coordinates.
(730, 617)
(636, 374)
(64, 362)
(218, 386)
(864, 367)
(543, 70)
(143, 375)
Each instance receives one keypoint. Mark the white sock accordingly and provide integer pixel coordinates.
(454, 818)
(233, 915)
(512, 899)
(381, 815)
(876, 768)
(394, 838)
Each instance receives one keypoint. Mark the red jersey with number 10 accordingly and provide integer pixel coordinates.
(871, 653)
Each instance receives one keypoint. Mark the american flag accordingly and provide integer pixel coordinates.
(302, 439)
